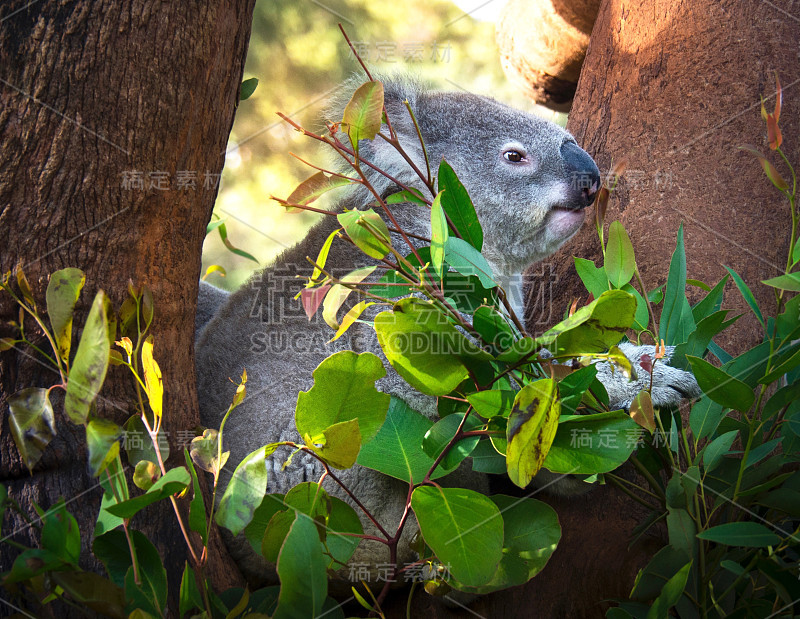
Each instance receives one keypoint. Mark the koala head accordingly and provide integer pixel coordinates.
(528, 179)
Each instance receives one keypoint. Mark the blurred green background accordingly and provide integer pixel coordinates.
(300, 58)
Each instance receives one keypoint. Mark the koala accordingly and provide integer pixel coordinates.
(530, 183)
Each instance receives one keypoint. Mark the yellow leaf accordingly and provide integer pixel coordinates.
(152, 378)
(126, 344)
(350, 317)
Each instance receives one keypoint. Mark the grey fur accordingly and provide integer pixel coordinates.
(527, 211)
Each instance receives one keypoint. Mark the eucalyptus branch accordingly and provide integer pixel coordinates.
(395, 143)
(617, 482)
(456, 438)
(353, 497)
(429, 181)
(512, 314)
(45, 331)
(324, 170)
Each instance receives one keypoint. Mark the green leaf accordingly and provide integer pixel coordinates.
(485, 459)
(197, 508)
(63, 291)
(322, 257)
(246, 89)
(619, 259)
(467, 260)
(342, 519)
(245, 491)
(651, 579)
(223, 234)
(711, 302)
(717, 448)
(747, 294)
(111, 549)
(114, 485)
(174, 481)
(240, 606)
(439, 235)
(573, 386)
(32, 423)
(784, 365)
(397, 448)
(60, 533)
(362, 115)
(339, 444)
(254, 531)
(641, 319)
(102, 440)
(700, 338)
(705, 417)
(720, 386)
(89, 367)
(301, 569)
(493, 328)
(676, 316)
(145, 474)
(593, 328)
(30, 563)
(151, 594)
(493, 403)
(275, 534)
(93, 592)
(589, 444)
(464, 528)
(407, 195)
(594, 279)
(681, 529)
(641, 411)
(531, 429)
(423, 347)
(783, 499)
(443, 431)
(204, 451)
(458, 206)
(190, 598)
(530, 535)
(747, 534)
(670, 594)
(344, 389)
(385, 287)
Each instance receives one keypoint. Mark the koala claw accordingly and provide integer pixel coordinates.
(670, 385)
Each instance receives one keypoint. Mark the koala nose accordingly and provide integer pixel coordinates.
(582, 173)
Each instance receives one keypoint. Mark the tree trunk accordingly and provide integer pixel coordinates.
(96, 96)
(542, 46)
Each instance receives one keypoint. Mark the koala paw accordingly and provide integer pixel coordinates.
(670, 385)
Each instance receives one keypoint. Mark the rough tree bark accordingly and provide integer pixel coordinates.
(95, 95)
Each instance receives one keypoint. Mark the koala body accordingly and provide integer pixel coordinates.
(529, 182)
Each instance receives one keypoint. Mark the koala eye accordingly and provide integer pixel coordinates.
(514, 156)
